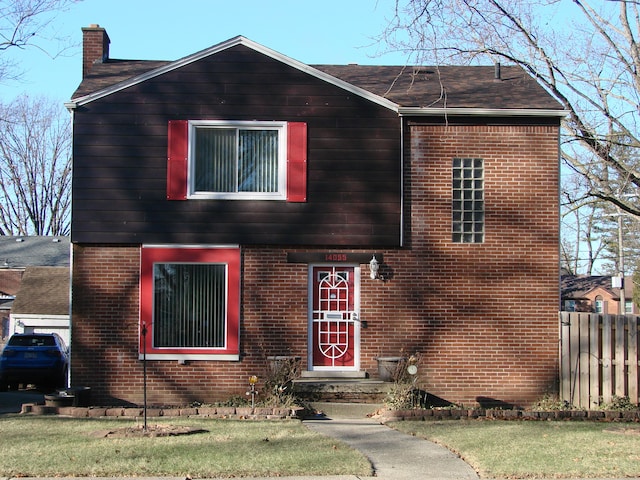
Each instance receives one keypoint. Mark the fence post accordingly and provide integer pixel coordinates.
(607, 360)
(633, 359)
(594, 360)
(565, 357)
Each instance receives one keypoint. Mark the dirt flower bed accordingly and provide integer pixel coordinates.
(150, 431)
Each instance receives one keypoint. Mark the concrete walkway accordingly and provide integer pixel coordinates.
(395, 455)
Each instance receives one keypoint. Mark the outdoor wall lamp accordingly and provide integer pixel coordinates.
(374, 266)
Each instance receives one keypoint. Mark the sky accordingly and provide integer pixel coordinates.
(311, 31)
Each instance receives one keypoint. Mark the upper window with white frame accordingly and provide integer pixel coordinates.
(237, 160)
(230, 160)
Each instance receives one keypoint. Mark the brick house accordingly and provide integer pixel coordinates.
(597, 294)
(343, 213)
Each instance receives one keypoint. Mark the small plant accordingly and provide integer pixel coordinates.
(551, 403)
(404, 394)
(619, 404)
(278, 390)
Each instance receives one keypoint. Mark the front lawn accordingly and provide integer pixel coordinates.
(41, 446)
(537, 449)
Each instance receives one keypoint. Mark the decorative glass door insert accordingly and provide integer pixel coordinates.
(333, 318)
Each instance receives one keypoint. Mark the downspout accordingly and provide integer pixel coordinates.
(402, 180)
(71, 108)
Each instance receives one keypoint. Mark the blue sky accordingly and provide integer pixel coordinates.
(311, 31)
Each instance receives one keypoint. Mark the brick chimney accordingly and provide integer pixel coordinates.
(95, 47)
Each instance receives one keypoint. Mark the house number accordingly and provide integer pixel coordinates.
(335, 257)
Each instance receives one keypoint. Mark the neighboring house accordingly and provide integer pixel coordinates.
(238, 204)
(9, 286)
(42, 303)
(17, 253)
(597, 294)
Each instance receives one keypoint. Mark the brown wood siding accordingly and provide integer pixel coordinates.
(120, 149)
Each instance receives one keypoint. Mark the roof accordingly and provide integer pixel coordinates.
(409, 90)
(9, 282)
(44, 290)
(21, 252)
(578, 286)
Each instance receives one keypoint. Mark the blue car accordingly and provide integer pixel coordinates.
(40, 359)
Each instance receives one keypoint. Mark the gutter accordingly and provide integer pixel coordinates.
(480, 112)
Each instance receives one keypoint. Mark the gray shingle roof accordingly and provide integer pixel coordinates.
(578, 286)
(21, 252)
(468, 87)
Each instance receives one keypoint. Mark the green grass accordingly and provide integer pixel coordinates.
(505, 449)
(42, 446)
(55, 446)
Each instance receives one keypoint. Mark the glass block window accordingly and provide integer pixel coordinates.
(468, 200)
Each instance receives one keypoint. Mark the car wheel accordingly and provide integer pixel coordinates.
(62, 380)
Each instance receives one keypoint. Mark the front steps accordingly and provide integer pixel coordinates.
(341, 394)
(341, 390)
(345, 410)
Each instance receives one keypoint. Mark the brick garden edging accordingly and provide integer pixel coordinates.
(496, 414)
(241, 413)
(383, 415)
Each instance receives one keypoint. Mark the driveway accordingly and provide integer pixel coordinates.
(11, 402)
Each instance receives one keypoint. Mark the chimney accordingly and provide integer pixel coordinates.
(95, 47)
(497, 74)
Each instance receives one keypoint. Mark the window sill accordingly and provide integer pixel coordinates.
(221, 357)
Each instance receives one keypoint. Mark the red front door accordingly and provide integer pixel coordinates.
(334, 318)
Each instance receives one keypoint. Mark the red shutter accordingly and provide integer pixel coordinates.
(178, 142)
(296, 162)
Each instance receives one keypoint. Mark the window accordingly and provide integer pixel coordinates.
(211, 159)
(468, 200)
(628, 306)
(570, 305)
(599, 305)
(190, 303)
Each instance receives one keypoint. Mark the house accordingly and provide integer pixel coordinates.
(42, 302)
(19, 253)
(597, 294)
(237, 204)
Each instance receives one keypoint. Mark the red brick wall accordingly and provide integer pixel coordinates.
(483, 316)
(95, 47)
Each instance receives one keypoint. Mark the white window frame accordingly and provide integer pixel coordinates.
(598, 305)
(280, 127)
(628, 306)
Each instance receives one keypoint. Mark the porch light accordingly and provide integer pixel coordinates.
(374, 266)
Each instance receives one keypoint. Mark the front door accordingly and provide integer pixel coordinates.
(333, 320)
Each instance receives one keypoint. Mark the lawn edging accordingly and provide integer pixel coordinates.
(386, 415)
(240, 413)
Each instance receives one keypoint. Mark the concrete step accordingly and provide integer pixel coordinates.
(341, 390)
(345, 410)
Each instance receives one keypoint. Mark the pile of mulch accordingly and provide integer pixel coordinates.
(140, 431)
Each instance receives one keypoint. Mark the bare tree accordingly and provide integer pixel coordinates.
(29, 24)
(35, 168)
(586, 54)
(581, 246)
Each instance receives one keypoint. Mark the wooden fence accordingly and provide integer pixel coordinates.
(598, 358)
